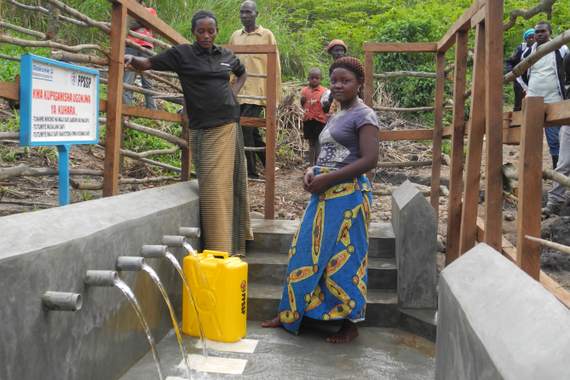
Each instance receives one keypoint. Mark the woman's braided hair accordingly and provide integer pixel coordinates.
(349, 63)
(203, 13)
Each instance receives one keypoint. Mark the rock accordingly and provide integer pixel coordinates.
(440, 244)
(509, 216)
(281, 213)
(257, 215)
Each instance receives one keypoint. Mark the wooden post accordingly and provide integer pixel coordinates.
(530, 186)
(494, 123)
(456, 169)
(368, 77)
(113, 135)
(474, 147)
(186, 163)
(437, 131)
(270, 135)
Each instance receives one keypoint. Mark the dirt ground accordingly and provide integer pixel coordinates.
(28, 194)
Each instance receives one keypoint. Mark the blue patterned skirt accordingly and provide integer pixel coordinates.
(327, 271)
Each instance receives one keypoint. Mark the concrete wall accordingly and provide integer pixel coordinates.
(52, 250)
(495, 322)
(415, 229)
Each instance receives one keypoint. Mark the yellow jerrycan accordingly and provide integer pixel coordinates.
(223, 304)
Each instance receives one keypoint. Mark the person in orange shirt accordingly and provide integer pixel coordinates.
(315, 117)
(130, 76)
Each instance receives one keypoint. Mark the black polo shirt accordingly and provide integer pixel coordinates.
(205, 79)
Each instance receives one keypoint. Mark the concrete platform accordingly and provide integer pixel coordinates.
(378, 353)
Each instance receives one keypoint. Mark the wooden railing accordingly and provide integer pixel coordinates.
(487, 119)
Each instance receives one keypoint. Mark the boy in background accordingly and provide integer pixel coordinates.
(315, 118)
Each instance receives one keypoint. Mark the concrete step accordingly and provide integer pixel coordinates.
(421, 322)
(270, 268)
(263, 302)
(275, 236)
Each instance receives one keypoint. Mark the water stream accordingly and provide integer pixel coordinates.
(213, 304)
(156, 280)
(132, 299)
(176, 264)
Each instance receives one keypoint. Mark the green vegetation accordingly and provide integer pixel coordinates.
(302, 28)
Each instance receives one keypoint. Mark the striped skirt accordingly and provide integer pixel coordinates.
(327, 271)
(219, 160)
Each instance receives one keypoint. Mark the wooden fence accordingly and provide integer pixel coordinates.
(488, 124)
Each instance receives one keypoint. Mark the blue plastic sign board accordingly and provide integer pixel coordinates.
(59, 103)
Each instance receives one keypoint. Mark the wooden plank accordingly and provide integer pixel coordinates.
(270, 135)
(478, 18)
(413, 134)
(511, 253)
(255, 122)
(139, 13)
(113, 134)
(437, 131)
(494, 120)
(456, 169)
(144, 112)
(186, 160)
(530, 186)
(400, 47)
(251, 49)
(462, 24)
(512, 136)
(474, 147)
(10, 91)
(368, 78)
(557, 113)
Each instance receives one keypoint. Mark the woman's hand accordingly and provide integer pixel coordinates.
(139, 63)
(318, 184)
(308, 178)
(128, 60)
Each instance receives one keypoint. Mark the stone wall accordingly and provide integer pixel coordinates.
(52, 250)
(495, 322)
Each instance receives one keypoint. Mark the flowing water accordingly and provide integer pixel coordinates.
(156, 280)
(176, 264)
(213, 304)
(131, 297)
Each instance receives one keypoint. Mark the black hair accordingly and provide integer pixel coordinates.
(548, 26)
(349, 63)
(203, 13)
(317, 70)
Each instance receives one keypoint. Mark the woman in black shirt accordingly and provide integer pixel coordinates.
(215, 137)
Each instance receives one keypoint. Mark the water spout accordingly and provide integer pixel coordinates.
(154, 251)
(101, 277)
(62, 301)
(189, 232)
(130, 263)
(173, 241)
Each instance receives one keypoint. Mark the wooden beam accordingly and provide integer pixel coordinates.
(478, 18)
(510, 253)
(144, 112)
(456, 168)
(530, 186)
(251, 49)
(270, 135)
(512, 136)
(400, 47)
(10, 91)
(462, 24)
(494, 121)
(437, 131)
(368, 78)
(150, 21)
(186, 160)
(254, 122)
(474, 147)
(556, 114)
(113, 133)
(412, 134)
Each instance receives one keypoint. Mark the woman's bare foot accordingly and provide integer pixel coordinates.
(275, 322)
(347, 331)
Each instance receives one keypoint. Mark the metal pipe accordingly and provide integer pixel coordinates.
(154, 251)
(100, 277)
(189, 232)
(62, 301)
(131, 263)
(173, 241)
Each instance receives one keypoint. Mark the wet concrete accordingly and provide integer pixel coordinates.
(378, 353)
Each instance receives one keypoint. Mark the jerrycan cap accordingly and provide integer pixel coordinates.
(215, 254)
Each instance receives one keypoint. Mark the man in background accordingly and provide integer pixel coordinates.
(253, 34)
(130, 76)
(519, 86)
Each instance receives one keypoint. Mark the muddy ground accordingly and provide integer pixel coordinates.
(29, 194)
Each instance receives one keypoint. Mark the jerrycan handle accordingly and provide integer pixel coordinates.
(215, 254)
